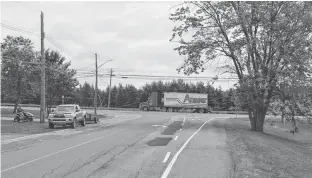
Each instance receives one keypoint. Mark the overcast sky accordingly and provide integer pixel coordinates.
(134, 34)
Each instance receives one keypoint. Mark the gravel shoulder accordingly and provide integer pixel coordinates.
(274, 153)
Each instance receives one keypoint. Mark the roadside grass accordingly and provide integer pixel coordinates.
(8, 112)
(275, 153)
(8, 127)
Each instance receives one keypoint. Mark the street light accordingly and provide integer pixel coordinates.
(96, 82)
(105, 62)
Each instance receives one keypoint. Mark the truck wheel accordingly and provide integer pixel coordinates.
(83, 122)
(201, 110)
(74, 124)
(145, 109)
(51, 125)
(170, 110)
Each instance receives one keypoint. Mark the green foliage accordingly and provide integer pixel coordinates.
(86, 96)
(60, 80)
(261, 39)
(17, 81)
(294, 96)
(129, 96)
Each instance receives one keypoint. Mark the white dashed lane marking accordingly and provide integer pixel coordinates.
(167, 157)
(170, 165)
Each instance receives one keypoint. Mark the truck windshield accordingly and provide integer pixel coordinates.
(65, 109)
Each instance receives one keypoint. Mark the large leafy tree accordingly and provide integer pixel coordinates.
(259, 40)
(294, 96)
(17, 81)
(60, 79)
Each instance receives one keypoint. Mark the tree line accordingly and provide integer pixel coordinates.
(20, 79)
(128, 96)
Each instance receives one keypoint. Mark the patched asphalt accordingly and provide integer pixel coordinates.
(159, 141)
(172, 128)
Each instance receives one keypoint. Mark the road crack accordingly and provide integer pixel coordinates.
(144, 163)
(107, 163)
(50, 173)
(89, 161)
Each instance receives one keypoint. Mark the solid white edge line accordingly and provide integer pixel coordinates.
(183, 121)
(176, 137)
(166, 157)
(61, 151)
(170, 165)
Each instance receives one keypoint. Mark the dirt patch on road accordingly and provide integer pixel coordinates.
(274, 153)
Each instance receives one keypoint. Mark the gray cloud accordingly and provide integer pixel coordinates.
(135, 34)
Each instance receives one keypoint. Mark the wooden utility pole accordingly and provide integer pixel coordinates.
(42, 101)
(96, 86)
(109, 91)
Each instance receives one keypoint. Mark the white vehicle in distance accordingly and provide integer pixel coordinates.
(68, 114)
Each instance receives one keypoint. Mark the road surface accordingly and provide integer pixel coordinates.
(132, 144)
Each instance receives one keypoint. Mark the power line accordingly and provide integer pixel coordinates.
(85, 67)
(162, 77)
(20, 30)
(16, 26)
(57, 45)
(49, 38)
(158, 76)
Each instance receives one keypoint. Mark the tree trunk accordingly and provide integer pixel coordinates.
(283, 117)
(251, 119)
(49, 103)
(294, 123)
(283, 110)
(257, 114)
(18, 94)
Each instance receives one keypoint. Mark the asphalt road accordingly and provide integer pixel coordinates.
(132, 144)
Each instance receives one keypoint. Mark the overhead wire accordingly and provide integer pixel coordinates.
(48, 38)
(166, 76)
(19, 30)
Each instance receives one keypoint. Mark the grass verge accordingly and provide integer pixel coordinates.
(274, 153)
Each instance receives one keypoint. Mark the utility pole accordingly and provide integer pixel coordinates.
(96, 84)
(109, 91)
(42, 101)
(116, 97)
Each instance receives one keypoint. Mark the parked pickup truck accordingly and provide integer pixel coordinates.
(69, 114)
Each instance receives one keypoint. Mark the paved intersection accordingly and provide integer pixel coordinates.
(133, 144)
